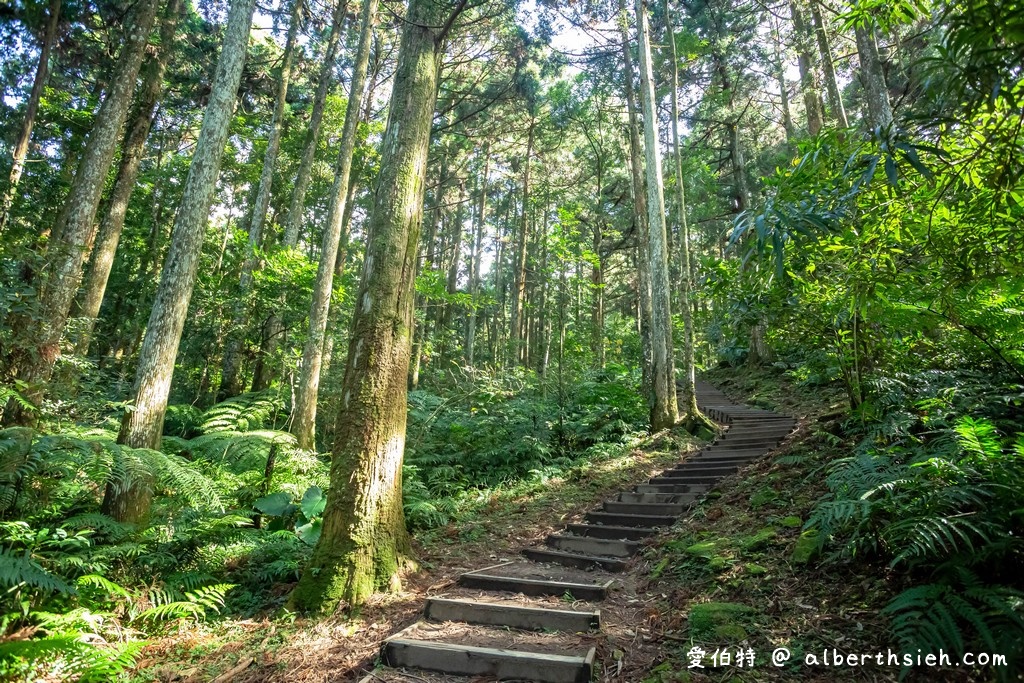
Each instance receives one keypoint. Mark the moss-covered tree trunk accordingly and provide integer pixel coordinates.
(639, 192)
(231, 381)
(665, 412)
(75, 229)
(364, 542)
(688, 401)
(293, 223)
(304, 411)
(131, 161)
(872, 77)
(143, 424)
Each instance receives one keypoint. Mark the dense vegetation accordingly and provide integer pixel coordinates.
(235, 276)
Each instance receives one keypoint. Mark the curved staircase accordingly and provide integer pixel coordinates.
(529, 620)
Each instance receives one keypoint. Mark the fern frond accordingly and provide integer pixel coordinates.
(19, 569)
(243, 413)
(106, 585)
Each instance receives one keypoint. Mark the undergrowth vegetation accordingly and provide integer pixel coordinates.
(238, 507)
(935, 488)
(917, 496)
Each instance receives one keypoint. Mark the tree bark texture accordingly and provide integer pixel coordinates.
(639, 191)
(127, 173)
(75, 230)
(304, 412)
(808, 73)
(293, 224)
(666, 411)
(828, 67)
(518, 331)
(365, 542)
(872, 77)
(20, 151)
(142, 426)
(474, 259)
(688, 400)
(780, 76)
(231, 367)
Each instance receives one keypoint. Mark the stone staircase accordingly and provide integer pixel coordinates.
(534, 620)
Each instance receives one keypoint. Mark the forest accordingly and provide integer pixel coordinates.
(298, 295)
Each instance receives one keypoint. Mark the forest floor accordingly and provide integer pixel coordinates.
(735, 574)
(282, 647)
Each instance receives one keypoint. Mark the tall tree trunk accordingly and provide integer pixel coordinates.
(143, 424)
(20, 151)
(835, 97)
(688, 400)
(293, 223)
(872, 77)
(639, 191)
(597, 277)
(741, 187)
(518, 331)
(304, 411)
(666, 410)
(474, 260)
(364, 542)
(75, 229)
(780, 76)
(131, 160)
(808, 73)
(453, 251)
(231, 366)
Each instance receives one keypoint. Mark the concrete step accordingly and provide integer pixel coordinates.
(577, 560)
(620, 519)
(715, 456)
(716, 461)
(686, 488)
(666, 488)
(490, 579)
(753, 441)
(739, 450)
(725, 450)
(603, 547)
(512, 616)
(672, 509)
(753, 431)
(688, 479)
(603, 531)
(718, 468)
(670, 498)
(509, 658)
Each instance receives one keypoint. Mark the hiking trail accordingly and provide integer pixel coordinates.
(498, 620)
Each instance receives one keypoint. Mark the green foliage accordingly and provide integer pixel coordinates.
(195, 604)
(243, 413)
(505, 430)
(937, 489)
(306, 517)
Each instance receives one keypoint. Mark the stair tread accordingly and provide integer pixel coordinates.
(626, 531)
(453, 647)
(573, 559)
(535, 571)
